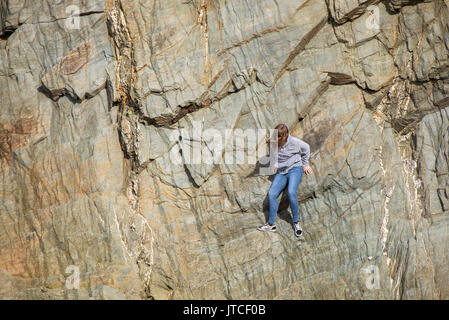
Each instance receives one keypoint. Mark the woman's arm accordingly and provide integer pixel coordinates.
(304, 150)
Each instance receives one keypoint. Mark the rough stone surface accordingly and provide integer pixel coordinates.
(99, 109)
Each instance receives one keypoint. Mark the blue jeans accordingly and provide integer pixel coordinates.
(293, 178)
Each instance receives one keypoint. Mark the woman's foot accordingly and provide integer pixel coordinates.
(267, 227)
(298, 229)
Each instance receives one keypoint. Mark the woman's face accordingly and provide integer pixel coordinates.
(281, 138)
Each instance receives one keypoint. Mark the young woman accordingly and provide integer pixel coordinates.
(292, 160)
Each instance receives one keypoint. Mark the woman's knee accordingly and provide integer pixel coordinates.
(291, 194)
(272, 194)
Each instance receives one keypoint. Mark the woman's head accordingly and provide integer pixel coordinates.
(282, 131)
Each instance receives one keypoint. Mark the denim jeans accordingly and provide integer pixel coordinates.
(293, 178)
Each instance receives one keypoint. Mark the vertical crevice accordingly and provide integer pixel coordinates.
(128, 118)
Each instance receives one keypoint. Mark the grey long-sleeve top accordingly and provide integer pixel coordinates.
(294, 153)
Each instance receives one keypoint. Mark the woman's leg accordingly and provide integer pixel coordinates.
(294, 179)
(279, 182)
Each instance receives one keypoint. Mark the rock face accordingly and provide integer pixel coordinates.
(99, 104)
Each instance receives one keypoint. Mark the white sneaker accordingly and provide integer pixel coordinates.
(298, 229)
(267, 227)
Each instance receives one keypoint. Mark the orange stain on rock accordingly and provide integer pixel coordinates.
(15, 135)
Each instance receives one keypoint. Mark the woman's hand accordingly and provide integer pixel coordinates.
(307, 170)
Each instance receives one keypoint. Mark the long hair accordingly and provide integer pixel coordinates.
(282, 129)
